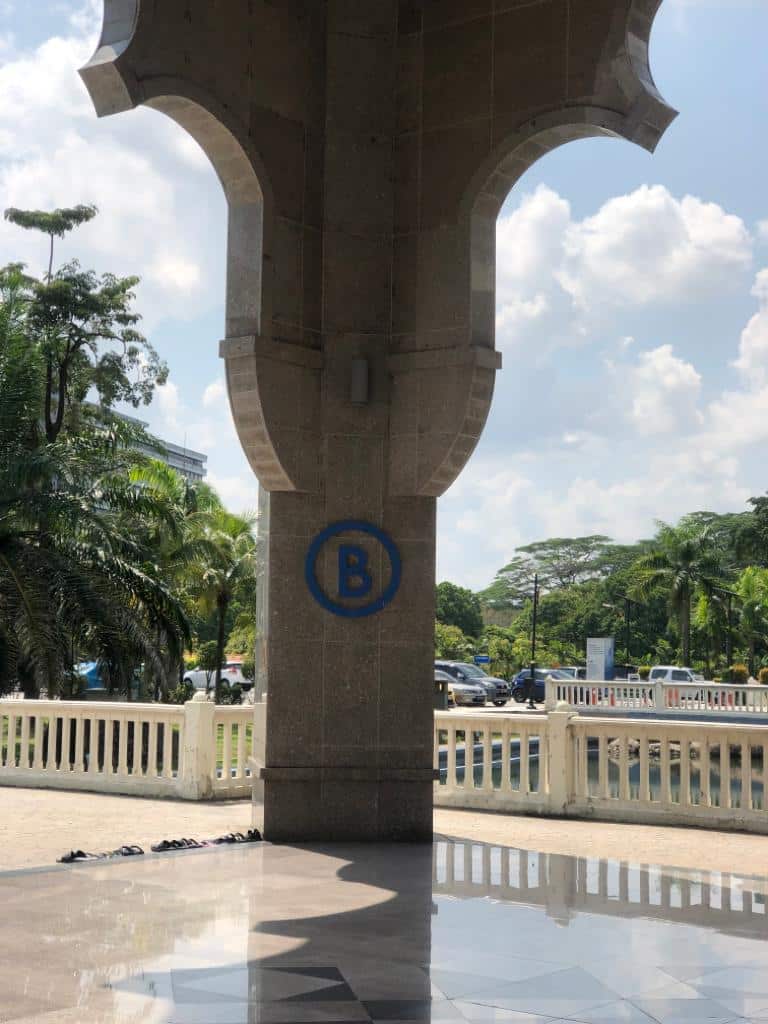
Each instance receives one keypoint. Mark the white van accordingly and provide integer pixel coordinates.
(674, 674)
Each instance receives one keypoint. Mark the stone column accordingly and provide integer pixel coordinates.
(366, 147)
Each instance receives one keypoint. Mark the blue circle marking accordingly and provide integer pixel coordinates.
(345, 611)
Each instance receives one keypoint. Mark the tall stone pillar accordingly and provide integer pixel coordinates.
(366, 147)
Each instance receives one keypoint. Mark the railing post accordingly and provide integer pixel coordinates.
(550, 694)
(560, 752)
(658, 696)
(198, 749)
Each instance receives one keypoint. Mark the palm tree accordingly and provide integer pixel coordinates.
(683, 559)
(752, 588)
(73, 573)
(220, 568)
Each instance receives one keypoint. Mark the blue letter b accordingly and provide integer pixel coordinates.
(354, 578)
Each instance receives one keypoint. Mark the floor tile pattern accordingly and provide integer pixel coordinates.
(381, 935)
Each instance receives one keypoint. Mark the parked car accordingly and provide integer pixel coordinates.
(674, 674)
(231, 672)
(461, 694)
(496, 690)
(574, 671)
(539, 692)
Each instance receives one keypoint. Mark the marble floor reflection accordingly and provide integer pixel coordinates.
(459, 932)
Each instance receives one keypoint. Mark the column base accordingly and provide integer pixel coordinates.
(347, 804)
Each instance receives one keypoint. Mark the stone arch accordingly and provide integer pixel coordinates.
(260, 375)
(632, 109)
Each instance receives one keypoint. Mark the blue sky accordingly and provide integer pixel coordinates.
(632, 311)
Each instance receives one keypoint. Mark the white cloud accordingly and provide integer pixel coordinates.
(215, 394)
(753, 347)
(649, 247)
(162, 215)
(665, 392)
(239, 493)
(762, 230)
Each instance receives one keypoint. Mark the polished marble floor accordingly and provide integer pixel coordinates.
(460, 932)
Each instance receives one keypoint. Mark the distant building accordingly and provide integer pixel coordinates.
(190, 464)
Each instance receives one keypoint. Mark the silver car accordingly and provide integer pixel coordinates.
(461, 694)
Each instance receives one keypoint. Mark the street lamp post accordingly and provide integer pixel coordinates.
(532, 681)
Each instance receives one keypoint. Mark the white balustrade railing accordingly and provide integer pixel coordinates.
(195, 751)
(711, 699)
(634, 770)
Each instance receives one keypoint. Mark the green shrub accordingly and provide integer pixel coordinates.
(739, 674)
(248, 668)
(644, 672)
(231, 694)
(182, 693)
(763, 676)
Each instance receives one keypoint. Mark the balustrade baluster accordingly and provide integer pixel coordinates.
(725, 772)
(705, 799)
(122, 748)
(37, 761)
(450, 776)
(602, 767)
(746, 776)
(10, 756)
(525, 763)
(582, 784)
(138, 743)
(506, 782)
(624, 768)
(79, 724)
(645, 773)
(226, 758)
(685, 773)
(24, 749)
(65, 762)
(666, 781)
(152, 749)
(167, 749)
(109, 768)
(241, 756)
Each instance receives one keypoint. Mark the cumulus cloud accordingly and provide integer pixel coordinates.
(752, 362)
(665, 392)
(560, 278)
(140, 169)
(649, 246)
(215, 394)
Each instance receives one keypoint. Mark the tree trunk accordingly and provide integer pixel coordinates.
(220, 641)
(752, 655)
(685, 624)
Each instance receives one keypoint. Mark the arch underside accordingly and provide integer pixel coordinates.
(268, 379)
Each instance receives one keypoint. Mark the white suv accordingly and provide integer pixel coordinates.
(673, 674)
(231, 672)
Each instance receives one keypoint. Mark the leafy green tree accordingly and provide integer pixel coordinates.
(512, 586)
(564, 561)
(752, 588)
(221, 568)
(85, 329)
(684, 558)
(452, 644)
(209, 660)
(457, 606)
(73, 575)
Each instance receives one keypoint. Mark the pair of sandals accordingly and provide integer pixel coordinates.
(251, 836)
(74, 856)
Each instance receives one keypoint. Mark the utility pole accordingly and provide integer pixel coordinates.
(532, 680)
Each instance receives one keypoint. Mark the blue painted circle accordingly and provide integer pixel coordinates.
(352, 526)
